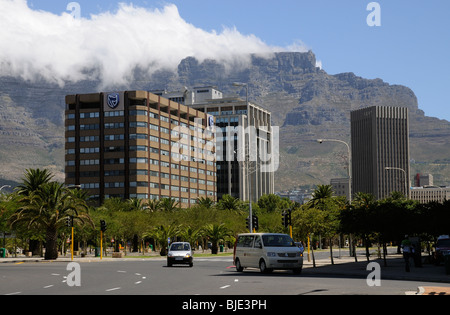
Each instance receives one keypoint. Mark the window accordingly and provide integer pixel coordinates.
(245, 241)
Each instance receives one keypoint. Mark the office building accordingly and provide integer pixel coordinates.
(241, 172)
(421, 180)
(340, 187)
(380, 150)
(427, 194)
(135, 144)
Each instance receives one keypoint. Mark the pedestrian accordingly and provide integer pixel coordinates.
(407, 252)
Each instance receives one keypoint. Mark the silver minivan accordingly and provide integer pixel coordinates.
(267, 251)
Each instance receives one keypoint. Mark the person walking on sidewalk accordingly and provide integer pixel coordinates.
(407, 252)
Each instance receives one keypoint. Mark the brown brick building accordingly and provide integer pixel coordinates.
(135, 144)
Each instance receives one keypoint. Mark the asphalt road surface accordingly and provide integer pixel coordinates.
(209, 276)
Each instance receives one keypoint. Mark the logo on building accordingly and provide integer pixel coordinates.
(113, 100)
(211, 121)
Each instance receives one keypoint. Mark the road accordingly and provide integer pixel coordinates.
(209, 276)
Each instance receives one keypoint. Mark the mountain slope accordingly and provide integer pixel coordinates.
(305, 101)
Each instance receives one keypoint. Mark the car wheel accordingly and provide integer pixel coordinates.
(239, 268)
(169, 264)
(263, 268)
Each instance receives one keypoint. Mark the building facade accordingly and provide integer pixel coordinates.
(428, 194)
(247, 158)
(135, 144)
(340, 187)
(380, 150)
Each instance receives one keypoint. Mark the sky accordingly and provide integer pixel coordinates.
(408, 45)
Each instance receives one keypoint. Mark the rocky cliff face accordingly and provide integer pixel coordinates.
(305, 101)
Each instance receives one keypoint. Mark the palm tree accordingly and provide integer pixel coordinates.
(191, 235)
(161, 234)
(230, 203)
(136, 204)
(33, 179)
(48, 208)
(216, 233)
(321, 195)
(363, 204)
(206, 202)
(169, 205)
(153, 205)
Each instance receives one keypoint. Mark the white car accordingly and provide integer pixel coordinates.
(180, 253)
(267, 251)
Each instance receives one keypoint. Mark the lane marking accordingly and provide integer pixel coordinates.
(14, 293)
(225, 286)
(49, 286)
(113, 289)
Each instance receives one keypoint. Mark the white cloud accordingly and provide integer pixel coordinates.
(109, 46)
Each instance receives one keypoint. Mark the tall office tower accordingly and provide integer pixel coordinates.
(380, 150)
(135, 144)
(246, 157)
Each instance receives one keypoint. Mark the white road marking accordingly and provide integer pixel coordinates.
(49, 286)
(225, 286)
(113, 289)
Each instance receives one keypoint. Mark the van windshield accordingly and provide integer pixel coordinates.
(277, 241)
(443, 243)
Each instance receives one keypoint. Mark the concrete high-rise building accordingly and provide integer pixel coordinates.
(239, 173)
(380, 150)
(135, 144)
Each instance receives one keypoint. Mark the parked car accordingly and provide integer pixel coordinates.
(442, 248)
(180, 253)
(267, 251)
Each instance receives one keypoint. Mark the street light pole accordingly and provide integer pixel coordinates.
(352, 251)
(406, 178)
(247, 159)
(349, 169)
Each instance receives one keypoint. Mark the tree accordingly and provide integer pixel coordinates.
(161, 234)
(48, 208)
(169, 205)
(205, 202)
(216, 233)
(229, 203)
(33, 180)
(360, 216)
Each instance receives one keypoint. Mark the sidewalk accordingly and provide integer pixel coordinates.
(394, 269)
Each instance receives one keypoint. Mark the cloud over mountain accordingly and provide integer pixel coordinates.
(111, 45)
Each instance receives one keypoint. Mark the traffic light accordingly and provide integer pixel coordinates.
(69, 221)
(255, 222)
(103, 225)
(247, 223)
(286, 219)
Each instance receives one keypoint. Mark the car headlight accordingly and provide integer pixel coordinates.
(271, 254)
(187, 256)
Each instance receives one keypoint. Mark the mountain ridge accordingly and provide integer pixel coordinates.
(305, 101)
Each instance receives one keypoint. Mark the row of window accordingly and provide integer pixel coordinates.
(151, 185)
(133, 112)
